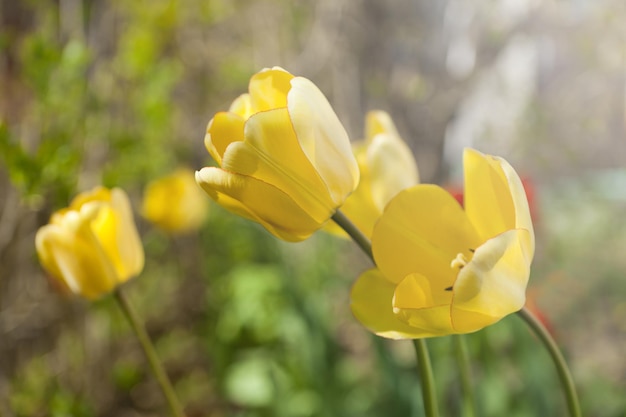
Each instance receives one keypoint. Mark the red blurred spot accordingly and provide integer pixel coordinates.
(532, 306)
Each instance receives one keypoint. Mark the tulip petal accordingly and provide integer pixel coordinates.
(392, 167)
(128, 242)
(523, 218)
(269, 88)
(493, 284)
(359, 206)
(272, 154)
(323, 138)
(487, 198)
(242, 106)
(422, 230)
(223, 129)
(377, 122)
(44, 239)
(259, 201)
(422, 307)
(371, 302)
(96, 195)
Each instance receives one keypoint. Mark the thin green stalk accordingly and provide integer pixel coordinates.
(421, 349)
(356, 235)
(426, 376)
(465, 371)
(148, 348)
(567, 382)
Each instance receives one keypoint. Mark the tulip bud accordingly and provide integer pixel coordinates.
(175, 203)
(387, 167)
(93, 245)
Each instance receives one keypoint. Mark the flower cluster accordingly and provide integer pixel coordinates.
(442, 265)
(285, 161)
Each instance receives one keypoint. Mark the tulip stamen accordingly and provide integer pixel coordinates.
(459, 262)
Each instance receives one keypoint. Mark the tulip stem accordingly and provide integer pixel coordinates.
(148, 348)
(425, 370)
(354, 232)
(421, 349)
(462, 356)
(567, 382)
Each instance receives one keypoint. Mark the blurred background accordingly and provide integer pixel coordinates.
(119, 93)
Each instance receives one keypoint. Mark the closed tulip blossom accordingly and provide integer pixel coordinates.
(284, 157)
(92, 246)
(175, 203)
(387, 167)
(444, 269)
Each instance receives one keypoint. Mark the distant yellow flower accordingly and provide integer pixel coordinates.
(175, 203)
(387, 167)
(93, 245)
(443, 269)
(285, 158)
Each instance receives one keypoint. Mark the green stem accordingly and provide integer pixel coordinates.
(567, 382)
(462, 356)
(421, 349)
(356, 235)
(425, 370)
(148, 348)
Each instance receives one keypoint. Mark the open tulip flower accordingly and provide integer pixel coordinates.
(175, 203)
(387, 167)
(444, 269)
(93, 245)
(285, 158)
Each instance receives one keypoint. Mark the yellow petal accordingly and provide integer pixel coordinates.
(259, 201)
(223, 129)
(359, 206)
(46, 236)
(423, 307)
(271, 154)
(487, 196)
(323, 139)
(493, 284)
(392, 167)
(97, 194)
(422, 230)
(129, 246)
(522, 211)
(105, 227)
(377, 122)
(428, 322)
(242, 106)
(414, 292)
(361, 211)
(371, 303)
(114, 228)
(269, 88)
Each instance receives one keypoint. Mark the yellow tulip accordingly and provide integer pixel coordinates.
(442, 269)
(175, 203)
(93, 245)
(285, 159)
(387, 167)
